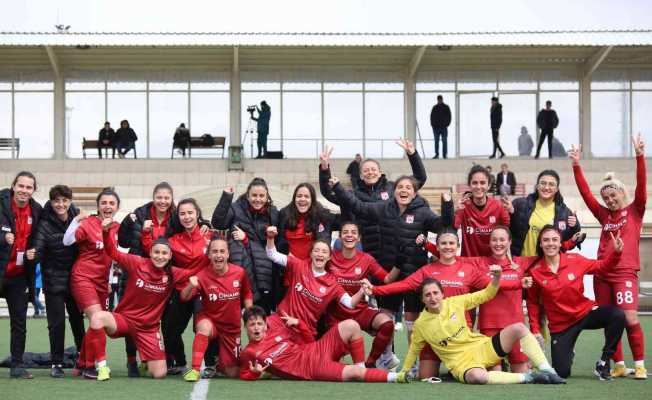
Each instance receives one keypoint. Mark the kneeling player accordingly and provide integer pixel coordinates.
(467, 355)
(276, 353)
(222, 286)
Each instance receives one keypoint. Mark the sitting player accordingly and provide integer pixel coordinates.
(272, 351)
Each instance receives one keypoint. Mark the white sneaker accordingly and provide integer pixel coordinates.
(398, 326)
(388, 363)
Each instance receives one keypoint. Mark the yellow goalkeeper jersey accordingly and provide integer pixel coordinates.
(447, 332)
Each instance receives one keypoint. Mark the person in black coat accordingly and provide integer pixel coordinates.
(19, 216)
(262, 126)
(125, 139)
(401, 220)
(105, 140)
(353, 171)
(248, 218)
(440, 119)
(375, 187)
(496, 119)
(56, 264)
(547, 121)
(507, 178)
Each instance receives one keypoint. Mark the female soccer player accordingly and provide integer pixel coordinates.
(619, 284)
(276, 352)
(19, 216)
(442, 327)
(350, 267)
(223, 287)
(90, 273)
(56, 265)
(559, 286)
(311, 288)
(247, 218)
(149, 286)
(188, 243)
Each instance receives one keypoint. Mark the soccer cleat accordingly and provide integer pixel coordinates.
(398, 326)
(208, 373)
(20, 373)
(142, 369)
(388, 363)
(192, 375)
(603, 372)
(132, 370)
(553, 378)
(177, 370)
(640, 373)
(538, 378)
(403, 377)
(621, 371)
(89, 373)
(57, 371)
(103, 373)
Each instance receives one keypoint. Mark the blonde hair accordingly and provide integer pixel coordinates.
(611, 182)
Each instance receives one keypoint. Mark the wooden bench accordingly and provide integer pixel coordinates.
(10, 144)
(433, 196)
(197, 142)
(86, 196)
(95, 144)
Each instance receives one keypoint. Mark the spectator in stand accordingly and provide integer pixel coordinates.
(125, 139)
(507, 178)
(106, 140)
(440, 119)
(547, 121)
(525, 143)
(496, 118)
(262, 126)
(181, 138)
(353, 171)
(492, 180)
(558, 149)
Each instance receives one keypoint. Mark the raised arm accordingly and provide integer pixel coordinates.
(410, 283)
(472, 300)
(418, 170)
(223, 213)
(640, 196)
(129, 232)
(325, 175)
(582, 184)
(273, 254)
(124, 260)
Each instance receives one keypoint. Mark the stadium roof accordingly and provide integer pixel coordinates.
(534, 38)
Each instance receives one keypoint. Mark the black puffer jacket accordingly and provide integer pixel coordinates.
(131, 229)
(252, 256)
(496, 116)
(398, 230)
(55, 258)
(322, 229)
(382, 191)
(520, 220)
(8, 224)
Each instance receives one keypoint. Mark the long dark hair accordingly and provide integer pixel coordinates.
(478, 169)
(175, 225)
(257, 182)
(168, 267)
(107, 191)
(540, 254)
(25, 174)
(165, 186)
(315, 214)
(427, 282)
(549, 172)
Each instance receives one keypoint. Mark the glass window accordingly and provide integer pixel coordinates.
(84, 119)
(476, 86)
(384, 124)
(36, 134)
(343, 123)
(301, 120)
(126, 85)
(635, 85)
(133, 108)
(559, 85)
(5, 120)
(84, 85)
(249, 135)
(343, 86)
(519, 111)
(260, 86)
(209, 85)
(393, 86)
(425, 102)
(641, 121)
(610, 124)
(166, 112)
(34, 86)
(509, 86)
(566, 104)
(475, 128)
(5, 85)
(168, 86)
(435, 86)
(301, 86)
(209, 113)
(606, 85)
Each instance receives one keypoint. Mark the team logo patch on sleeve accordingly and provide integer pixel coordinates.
(384, 195)
(29, 220)
(321, 227)
(409, 219)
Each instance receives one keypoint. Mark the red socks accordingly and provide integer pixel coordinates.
(636, 341)
(199, 346)
(356, 347)
(618, 354)
(96, 344)
(384, 335)
(82, 358)
(375, 375)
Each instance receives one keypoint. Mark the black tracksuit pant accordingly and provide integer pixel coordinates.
(14, 290)
(56, 305)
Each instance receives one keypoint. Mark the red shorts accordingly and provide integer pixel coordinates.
(320, 359)
(276, 326)
(516, 356)
(148, 342)
(87, 293)
(364, 317)
(228, 346)
(622, 293)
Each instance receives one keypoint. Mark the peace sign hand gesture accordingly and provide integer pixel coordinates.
(638, 144)
(407, 146)
(325, 156)
(575, 153)
(617, 241)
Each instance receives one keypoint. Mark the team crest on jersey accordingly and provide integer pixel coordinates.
(453, 317)
(562, 225)
(29, 220)
(492, 219)
(322, 290)
(623, 213)
(409, 219)
(384, 195)
(212, 297)
(358, 270)
(469, 230)
(236, 283)
(321, 227)
(298, 287)
(544, 282)
(628, 284)
(571, 277)
(278, 339)
(165, 279)
(140, 283)
(460, 274)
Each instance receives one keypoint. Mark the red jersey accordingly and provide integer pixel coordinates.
(23, 218)
(476, 225)
(562, 293)
(627, 220)
(188, 249)
(158, 227)
(93, 262)
(299, 241)
(222, 296)
(276, 350)
(148, 288)
(348, 273)
(308, 296)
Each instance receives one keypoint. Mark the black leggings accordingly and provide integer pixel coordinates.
(612, 319)
(176, 317)
(56, 305)
(494, 137)
(14, 290)
(544, 134)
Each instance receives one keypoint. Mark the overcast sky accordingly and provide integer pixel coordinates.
(324, 16)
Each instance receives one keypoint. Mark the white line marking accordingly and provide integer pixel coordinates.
(200, 390)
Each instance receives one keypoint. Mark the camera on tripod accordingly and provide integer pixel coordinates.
(251, 109)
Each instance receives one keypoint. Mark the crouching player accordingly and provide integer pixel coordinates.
(467, 355)
(223, 287)
(276, 353)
